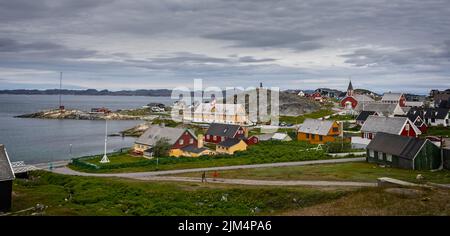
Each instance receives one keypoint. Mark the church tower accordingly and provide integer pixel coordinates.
(350, 89)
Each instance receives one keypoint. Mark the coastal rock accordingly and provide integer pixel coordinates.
(77, 115)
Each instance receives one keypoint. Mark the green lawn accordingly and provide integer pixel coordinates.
(438, 131)
(301, 118)
(264, 152)
(75, 195)
(356, 171)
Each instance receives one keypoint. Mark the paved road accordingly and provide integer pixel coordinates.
(158, 175)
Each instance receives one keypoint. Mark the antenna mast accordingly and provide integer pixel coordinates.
(60, 88)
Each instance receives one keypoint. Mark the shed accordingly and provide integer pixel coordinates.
(6, 179)
(403, 152)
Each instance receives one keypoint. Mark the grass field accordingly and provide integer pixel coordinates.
(264, 152)
(438, 131)
(74, 195)
(355, 171)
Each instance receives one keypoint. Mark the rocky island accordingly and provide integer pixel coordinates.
(79, 115)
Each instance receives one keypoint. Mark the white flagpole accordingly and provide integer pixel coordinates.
(105, 157)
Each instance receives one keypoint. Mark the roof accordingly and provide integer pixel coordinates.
(313, 126)
(6, 171)
(429, 113)
(156, 132)
(364, 114)
(194, 149)
(381, 108)
(226, 130)
(391, 97)
(229, 142)
(391, 125)
(280, 136)
(402, 146)
(220, 108)
(264, 137)
(350, 86)
(363, 98)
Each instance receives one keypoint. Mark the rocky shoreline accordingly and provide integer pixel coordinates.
(78, 115)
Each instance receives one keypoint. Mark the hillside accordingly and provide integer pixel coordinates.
(290, 104)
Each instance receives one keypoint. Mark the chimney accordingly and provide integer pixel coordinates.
(200, 140)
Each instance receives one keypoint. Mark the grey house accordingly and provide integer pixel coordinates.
(403, 152)
(6, 179)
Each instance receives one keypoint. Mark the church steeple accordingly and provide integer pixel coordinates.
(350, 89)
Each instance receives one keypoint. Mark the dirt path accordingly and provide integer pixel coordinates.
(160, 175)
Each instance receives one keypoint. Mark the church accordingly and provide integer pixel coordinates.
(351, 100)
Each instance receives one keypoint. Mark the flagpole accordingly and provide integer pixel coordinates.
(105, 157)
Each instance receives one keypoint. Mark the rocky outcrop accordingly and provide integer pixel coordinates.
(78, 115)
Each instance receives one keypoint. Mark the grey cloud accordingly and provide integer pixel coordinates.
(269, 38)
(431, 56)
(250, 59)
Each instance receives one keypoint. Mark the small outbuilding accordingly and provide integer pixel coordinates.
(6, 179)
(403, 152)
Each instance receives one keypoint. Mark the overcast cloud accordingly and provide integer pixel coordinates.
(116, 44)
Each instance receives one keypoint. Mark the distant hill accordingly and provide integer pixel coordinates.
(92, 92)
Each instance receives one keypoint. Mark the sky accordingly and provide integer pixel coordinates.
(382, 45)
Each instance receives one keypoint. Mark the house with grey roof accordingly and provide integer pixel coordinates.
(383, 109)
(394, 98)
(403, 152)
(392, 125)
(319, 131)
(176, 137)
(6, 179)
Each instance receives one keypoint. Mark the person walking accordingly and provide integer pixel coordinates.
(204, 177)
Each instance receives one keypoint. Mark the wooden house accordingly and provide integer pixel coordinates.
(403, 152)
(318, 131)
(230, 146)
(218, 132)
(392, 125)
(6, 179)
(394, 98)
(363, 115)
(177, 138)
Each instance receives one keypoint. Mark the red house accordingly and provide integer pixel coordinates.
(217, 133)
(392, 125)
(316, 97)
(185, 139)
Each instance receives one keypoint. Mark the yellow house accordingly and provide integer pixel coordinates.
(194, 150)
(318, 131)
(229, 146)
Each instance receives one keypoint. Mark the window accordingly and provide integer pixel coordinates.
(335, 129)
(191, 141)
(223, 138)
(371, 153)
(307, 136)
(320, 138)
(214, 138)
(181, 141)
(389, 157)
(207, 136)
(380, 156)
(313, 136)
